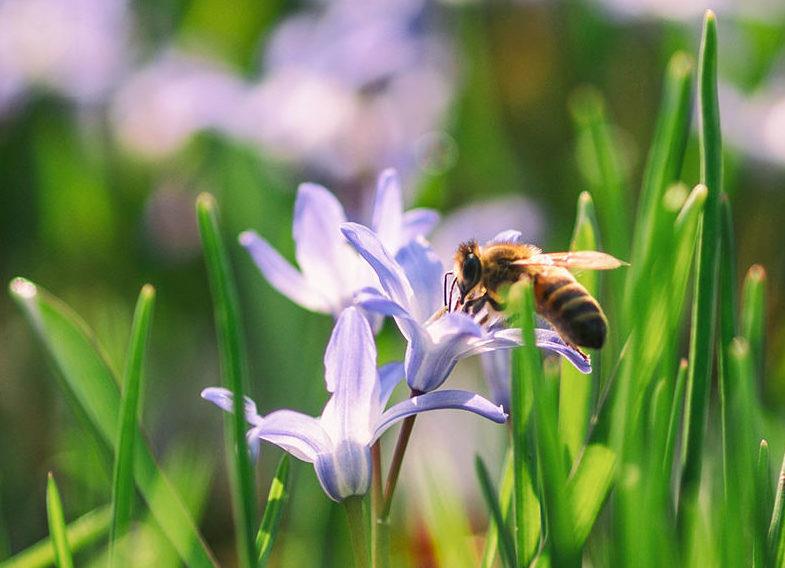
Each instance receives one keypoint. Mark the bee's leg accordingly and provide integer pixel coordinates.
(580, 351)
(475, 304)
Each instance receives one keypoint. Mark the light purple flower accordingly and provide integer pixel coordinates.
(412, 283)
(330, 270)
(338, 442)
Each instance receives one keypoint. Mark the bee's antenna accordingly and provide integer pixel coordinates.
(452, 289)
(444, 286)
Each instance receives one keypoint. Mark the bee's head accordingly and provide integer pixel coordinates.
(468, 267)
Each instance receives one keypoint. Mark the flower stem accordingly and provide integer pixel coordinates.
(354, 512)
(395, 464)
(380, 545)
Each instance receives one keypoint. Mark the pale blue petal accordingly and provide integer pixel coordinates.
(418, 223)
(552, 341)
(443, 399)
(389, 377)
(319, 247)
(351, 375)
(448, 340)
(497, 368)
(346, 471)
(388, 210)
(508, 236)
(224, 399)
(373, 301)
(299, 434)
(281, 275)
(425, 273)
(391, 276)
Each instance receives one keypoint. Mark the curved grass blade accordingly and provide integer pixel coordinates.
(776, 537)
(81, 533)
(575, 388)
(273, 511)
(491, 499)
(123, 483)
(88, 379)
(505, 501)
(753, 314)
(764, 502)
(677, 407)
(589, 487)
(549, 451)
(705, 302)
(233, 370)
(57, 529)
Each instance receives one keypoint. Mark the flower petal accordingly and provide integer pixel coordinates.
(447, 340)
(444, 399)
(389, 377)
(424, 271)
(281, 275)
(552, 341)
(373, 301)
(346, 471)
(299, 434)
(224, 399)
(320, 249)
(391, 275)
(418, 223)
(351, 375)
(508, 236)
(388, 210)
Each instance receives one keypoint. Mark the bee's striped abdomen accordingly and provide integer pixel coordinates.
(567, 305)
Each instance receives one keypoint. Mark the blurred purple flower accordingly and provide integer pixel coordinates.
(412, 283)
(350, 87)
(74, 47)
(162, 105)
(338, 442)
(330, 270)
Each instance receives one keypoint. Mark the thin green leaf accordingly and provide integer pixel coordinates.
(589, 487)
(81, 533)
(123, 484)
(233, 371)
(776, 535)
(549, 451)
(506, 487)
(273, 511)
(57, 528)
(705, 300)
(677, 406)
(491, 499)
(575, 391)
(88, 378)
(764, 502)
(753, 314)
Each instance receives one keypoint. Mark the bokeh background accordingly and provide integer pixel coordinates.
(115, 114)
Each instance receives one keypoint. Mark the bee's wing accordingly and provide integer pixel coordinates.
(575, 260)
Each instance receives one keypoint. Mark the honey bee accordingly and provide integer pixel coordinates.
(481, 272)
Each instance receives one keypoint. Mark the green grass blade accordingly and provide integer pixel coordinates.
(123, 483)
(549, 450)
(492, 501)
(764, 502)
(88, 379)
(233, 369)
(505, 501)
(753, 314)
(775, 538)
(273, 511)
(601, 165)
(57, 528)
(589, 487)
(575, 391)
(81, 533)
(728, 327)
(705, 300)
(674, 421)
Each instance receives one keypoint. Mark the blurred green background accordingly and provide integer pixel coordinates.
(114, 115)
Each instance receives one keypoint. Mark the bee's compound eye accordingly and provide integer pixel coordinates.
(471, 273)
